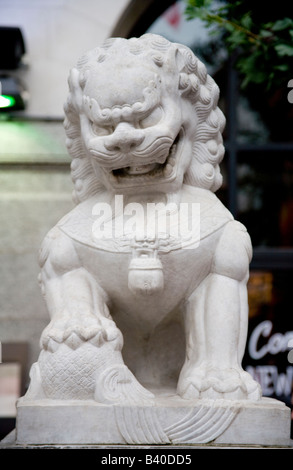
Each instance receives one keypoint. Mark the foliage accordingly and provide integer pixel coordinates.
(263, 49)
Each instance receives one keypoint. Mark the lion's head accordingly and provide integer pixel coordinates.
(142, 115)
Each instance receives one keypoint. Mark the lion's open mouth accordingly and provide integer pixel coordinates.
(157, 170)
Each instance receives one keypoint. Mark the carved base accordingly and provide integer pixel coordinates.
(171, 421)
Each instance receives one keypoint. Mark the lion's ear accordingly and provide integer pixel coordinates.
(75, 89)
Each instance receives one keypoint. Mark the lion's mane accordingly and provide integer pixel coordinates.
(194, 84)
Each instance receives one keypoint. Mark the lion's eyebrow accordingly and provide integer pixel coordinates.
(106, 116)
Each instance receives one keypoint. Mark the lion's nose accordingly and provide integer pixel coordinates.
(124, 139)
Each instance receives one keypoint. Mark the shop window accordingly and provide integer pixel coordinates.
(268, 356)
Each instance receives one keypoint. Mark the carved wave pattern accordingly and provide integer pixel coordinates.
(140, 426)
(201, 425)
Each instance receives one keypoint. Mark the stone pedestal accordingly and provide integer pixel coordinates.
(171, 421)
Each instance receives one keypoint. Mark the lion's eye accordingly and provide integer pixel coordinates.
(151, 119)
(100, 131)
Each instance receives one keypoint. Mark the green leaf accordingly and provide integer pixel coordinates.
(249, 67)
(282, 67)
(223, 10)
(246, 21)
(199, 3)
(268, 25)
(280, 25)
(230, 27)
(236, 38)
(284, 50)
(265, 34)
(198, 9)
(191, 13)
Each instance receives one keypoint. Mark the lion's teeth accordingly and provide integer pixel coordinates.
(173, 150)
(149, 171)
(140, 170)
(168, 170)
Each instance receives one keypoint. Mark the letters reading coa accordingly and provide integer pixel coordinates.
(277, 343)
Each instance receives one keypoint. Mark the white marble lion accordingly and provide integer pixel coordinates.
(139, 311)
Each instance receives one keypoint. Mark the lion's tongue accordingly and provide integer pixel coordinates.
(140, 170)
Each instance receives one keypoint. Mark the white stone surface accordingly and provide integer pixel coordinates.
(145, 279)
(172, 421)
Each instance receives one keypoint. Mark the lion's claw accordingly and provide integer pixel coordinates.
(215, 383)
(51, 345)
(75, 331)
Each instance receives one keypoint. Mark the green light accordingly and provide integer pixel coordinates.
(6, 101)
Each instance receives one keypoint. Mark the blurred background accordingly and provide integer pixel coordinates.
(39, 43)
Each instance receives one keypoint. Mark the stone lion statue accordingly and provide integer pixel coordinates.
(138, 306)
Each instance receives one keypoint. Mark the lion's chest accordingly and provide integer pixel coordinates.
(147, 279)
(148, 288)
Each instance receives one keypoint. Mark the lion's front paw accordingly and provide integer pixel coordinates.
(253, 388)
(190, 385)
(74, 331)
(216, 383)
